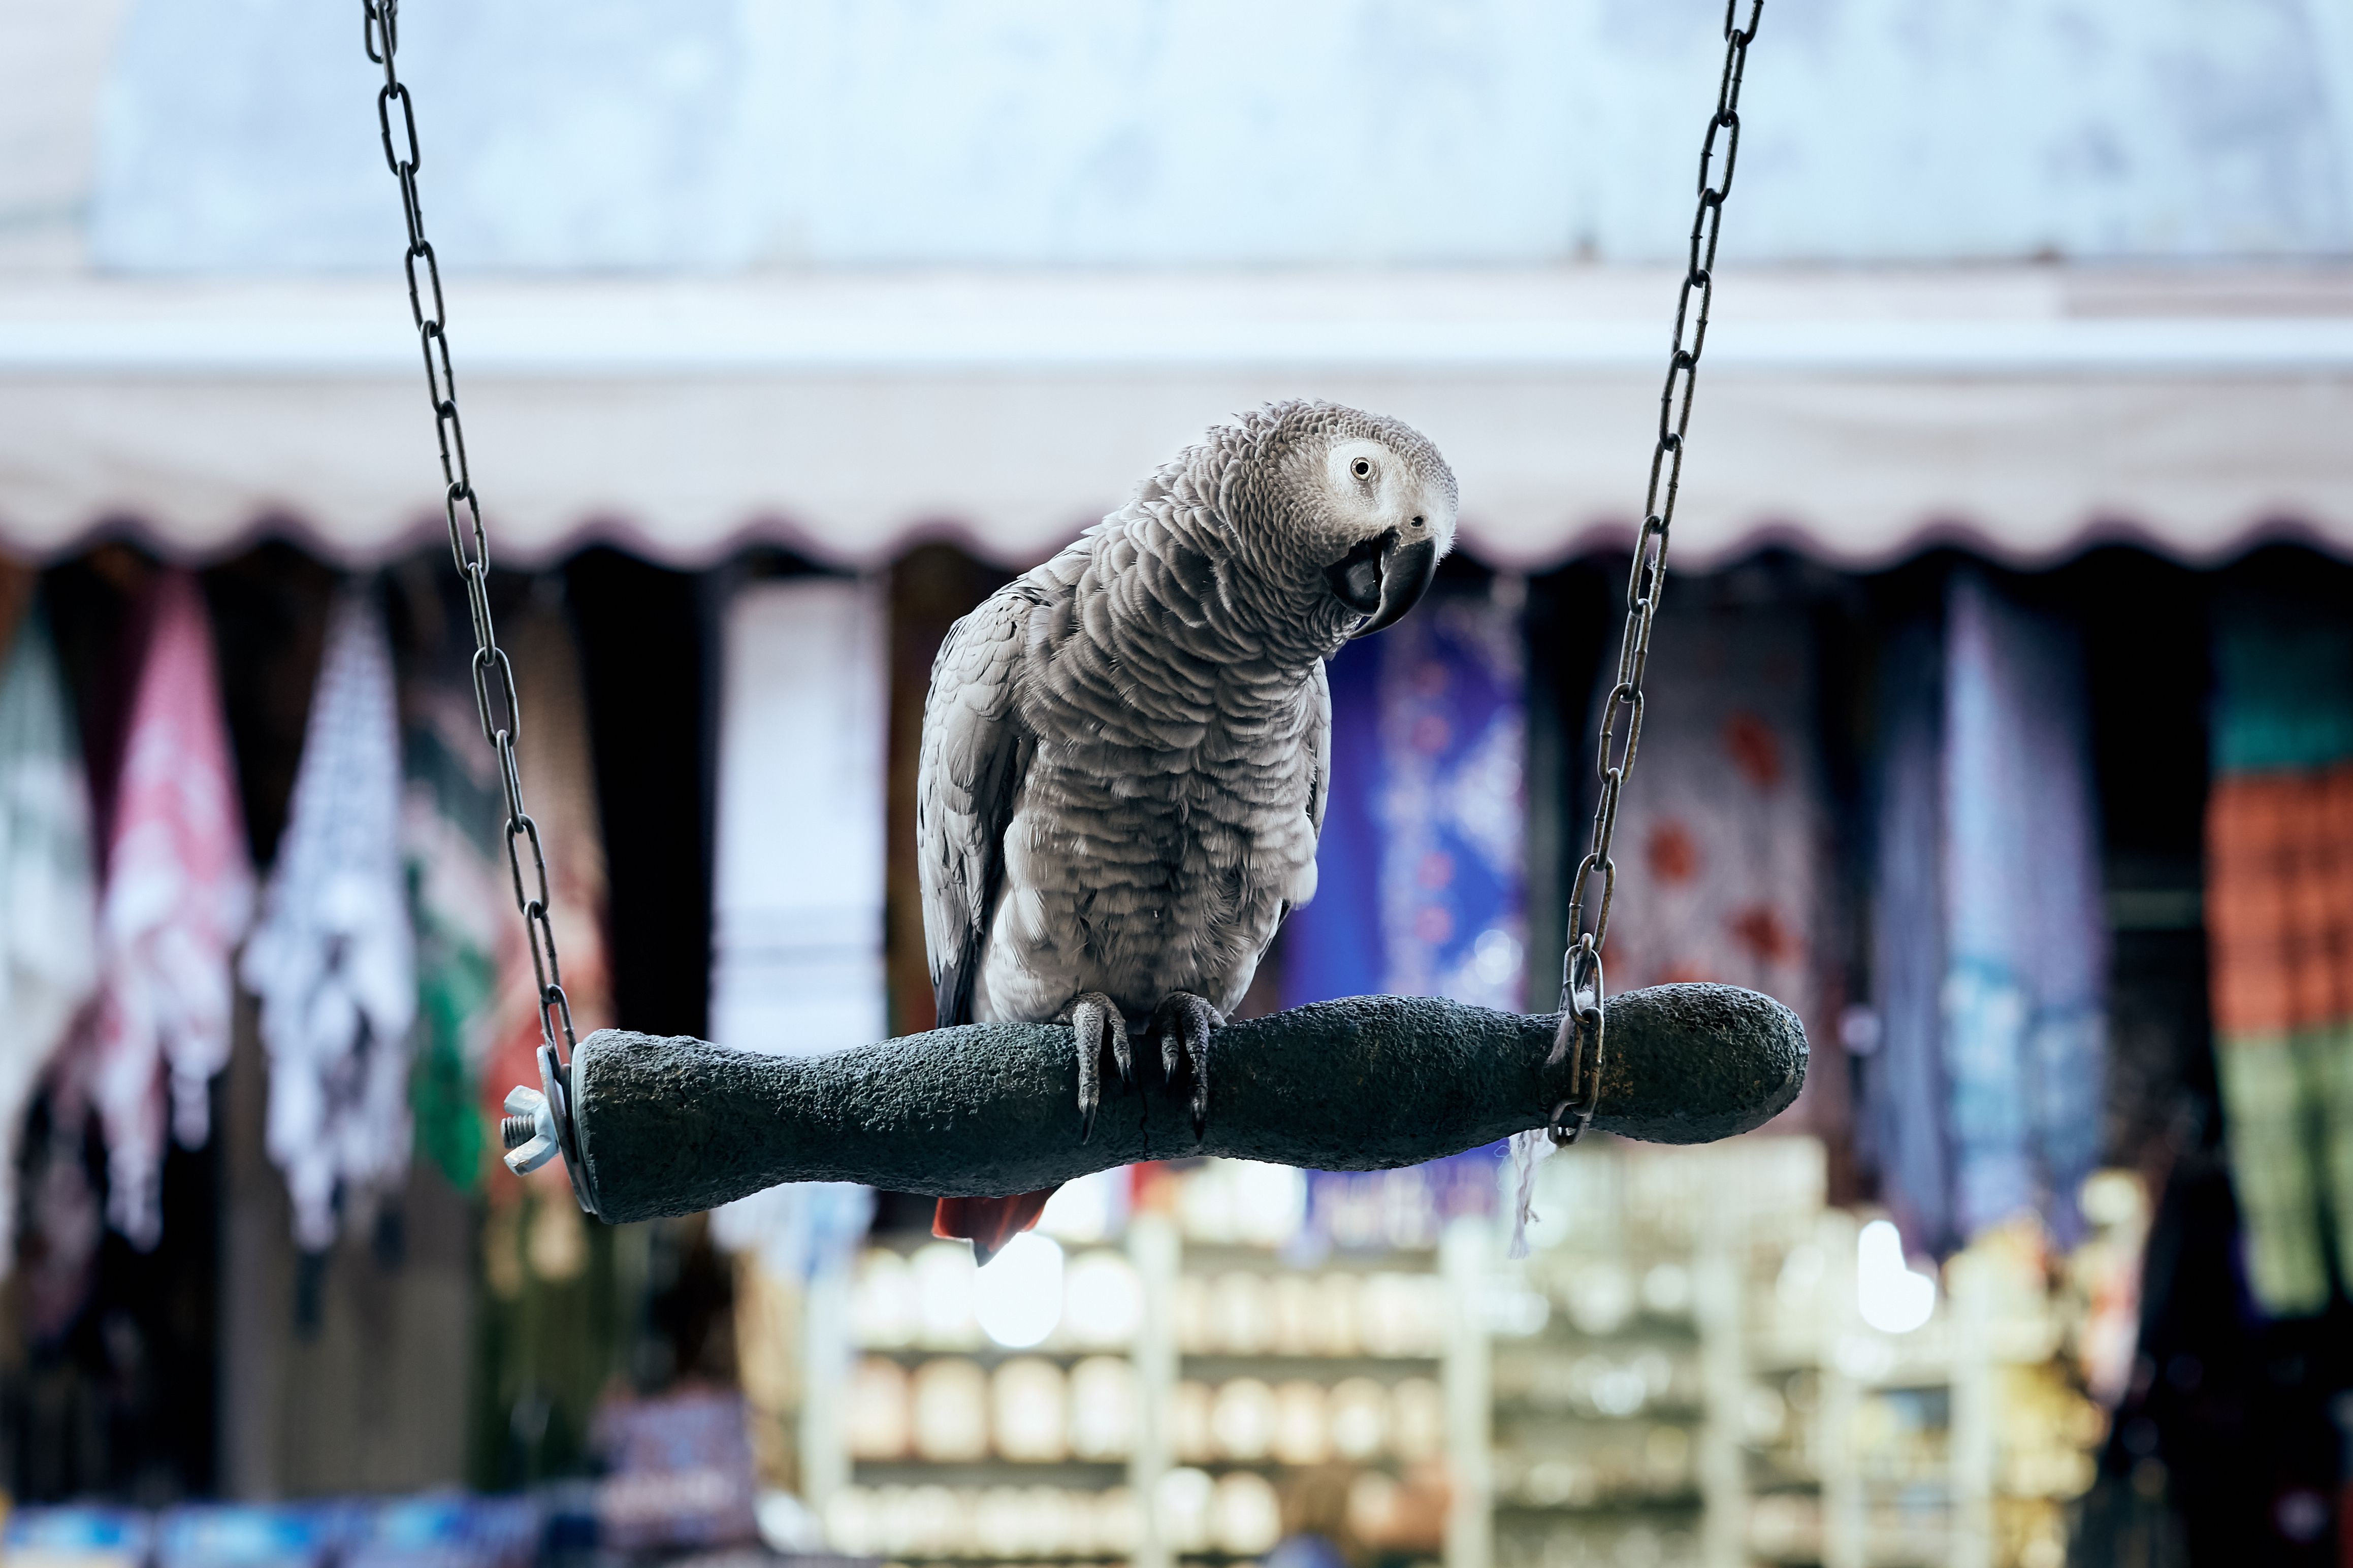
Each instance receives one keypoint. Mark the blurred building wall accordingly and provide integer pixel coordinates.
(715, 134)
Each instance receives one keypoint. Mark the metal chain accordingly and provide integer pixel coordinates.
(1582, 985)
(495, 704)
(1579, 1038)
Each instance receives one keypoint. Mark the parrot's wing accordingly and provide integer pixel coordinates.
(975, 752)
(1319, 773)
(1319, 749)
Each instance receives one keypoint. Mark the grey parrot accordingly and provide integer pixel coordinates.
(1125, 751)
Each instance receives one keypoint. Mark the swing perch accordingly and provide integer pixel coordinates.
(670, 1126)
(650, 1126)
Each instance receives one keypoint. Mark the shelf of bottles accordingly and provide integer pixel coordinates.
(986, 1416)
(1899, 1415)
(1698, 1364)
(1619, 1383)
(1313, 1365)
(1168, 1373)
(1701, 1364)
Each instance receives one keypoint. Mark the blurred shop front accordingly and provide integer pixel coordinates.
(2039, 1263)
(1999, 721)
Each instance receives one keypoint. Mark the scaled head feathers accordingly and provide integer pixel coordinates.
(1335, 518)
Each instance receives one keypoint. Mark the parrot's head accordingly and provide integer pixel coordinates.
(1343, 513)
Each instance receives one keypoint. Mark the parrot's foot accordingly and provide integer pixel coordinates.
(1183, 1021)
(1095, 1017)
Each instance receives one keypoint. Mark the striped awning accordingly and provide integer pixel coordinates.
(1857, 414)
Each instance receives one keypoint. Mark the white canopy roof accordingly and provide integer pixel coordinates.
(1857, 414)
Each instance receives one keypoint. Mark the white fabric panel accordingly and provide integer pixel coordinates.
(333, 959)
(798, 928)
(1859, 415)
(796, 933)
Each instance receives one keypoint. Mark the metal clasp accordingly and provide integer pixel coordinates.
(1578, 1041)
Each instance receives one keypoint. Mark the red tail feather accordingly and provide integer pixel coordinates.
(988, 1223)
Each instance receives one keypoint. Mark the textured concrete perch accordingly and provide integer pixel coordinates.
(671, 1126)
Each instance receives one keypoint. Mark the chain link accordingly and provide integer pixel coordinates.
(495, 702)
(1579, 1038)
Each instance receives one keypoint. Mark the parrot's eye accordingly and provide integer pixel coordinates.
(1362, 468)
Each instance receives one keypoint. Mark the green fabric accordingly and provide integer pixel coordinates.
(2288, 1100)
(457, 893)
(2283, 703)
(2284, 685)
(455, 982)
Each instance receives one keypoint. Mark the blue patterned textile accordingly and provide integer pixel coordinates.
(1902, 1129)
(1422, 880)
(1991, 956)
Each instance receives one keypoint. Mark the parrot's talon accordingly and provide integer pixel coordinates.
(1095, 1019)
(1183, 1022)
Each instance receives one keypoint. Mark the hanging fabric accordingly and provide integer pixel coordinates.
(179, 890)
(552, 752)
(468, 941)
(2279, 921)
(331, 961)
(1992, 957)
(1724, 875)
(1902, 1131)
(1422, 885)
(48, 890)
(2026, 967)
(1452, 806)
(797, 967)
(554, 1322)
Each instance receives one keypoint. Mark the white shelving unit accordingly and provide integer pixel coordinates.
(1620, 1365)
(1467, 1374)
(1366, 1369)
(1680, 1373)
(1153, 1248)
(1910, 1448)
(1247, 1374)
(922, 1442)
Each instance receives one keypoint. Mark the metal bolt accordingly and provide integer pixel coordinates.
(528, 1130)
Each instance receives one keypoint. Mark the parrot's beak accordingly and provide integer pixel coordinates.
(1383, 579)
